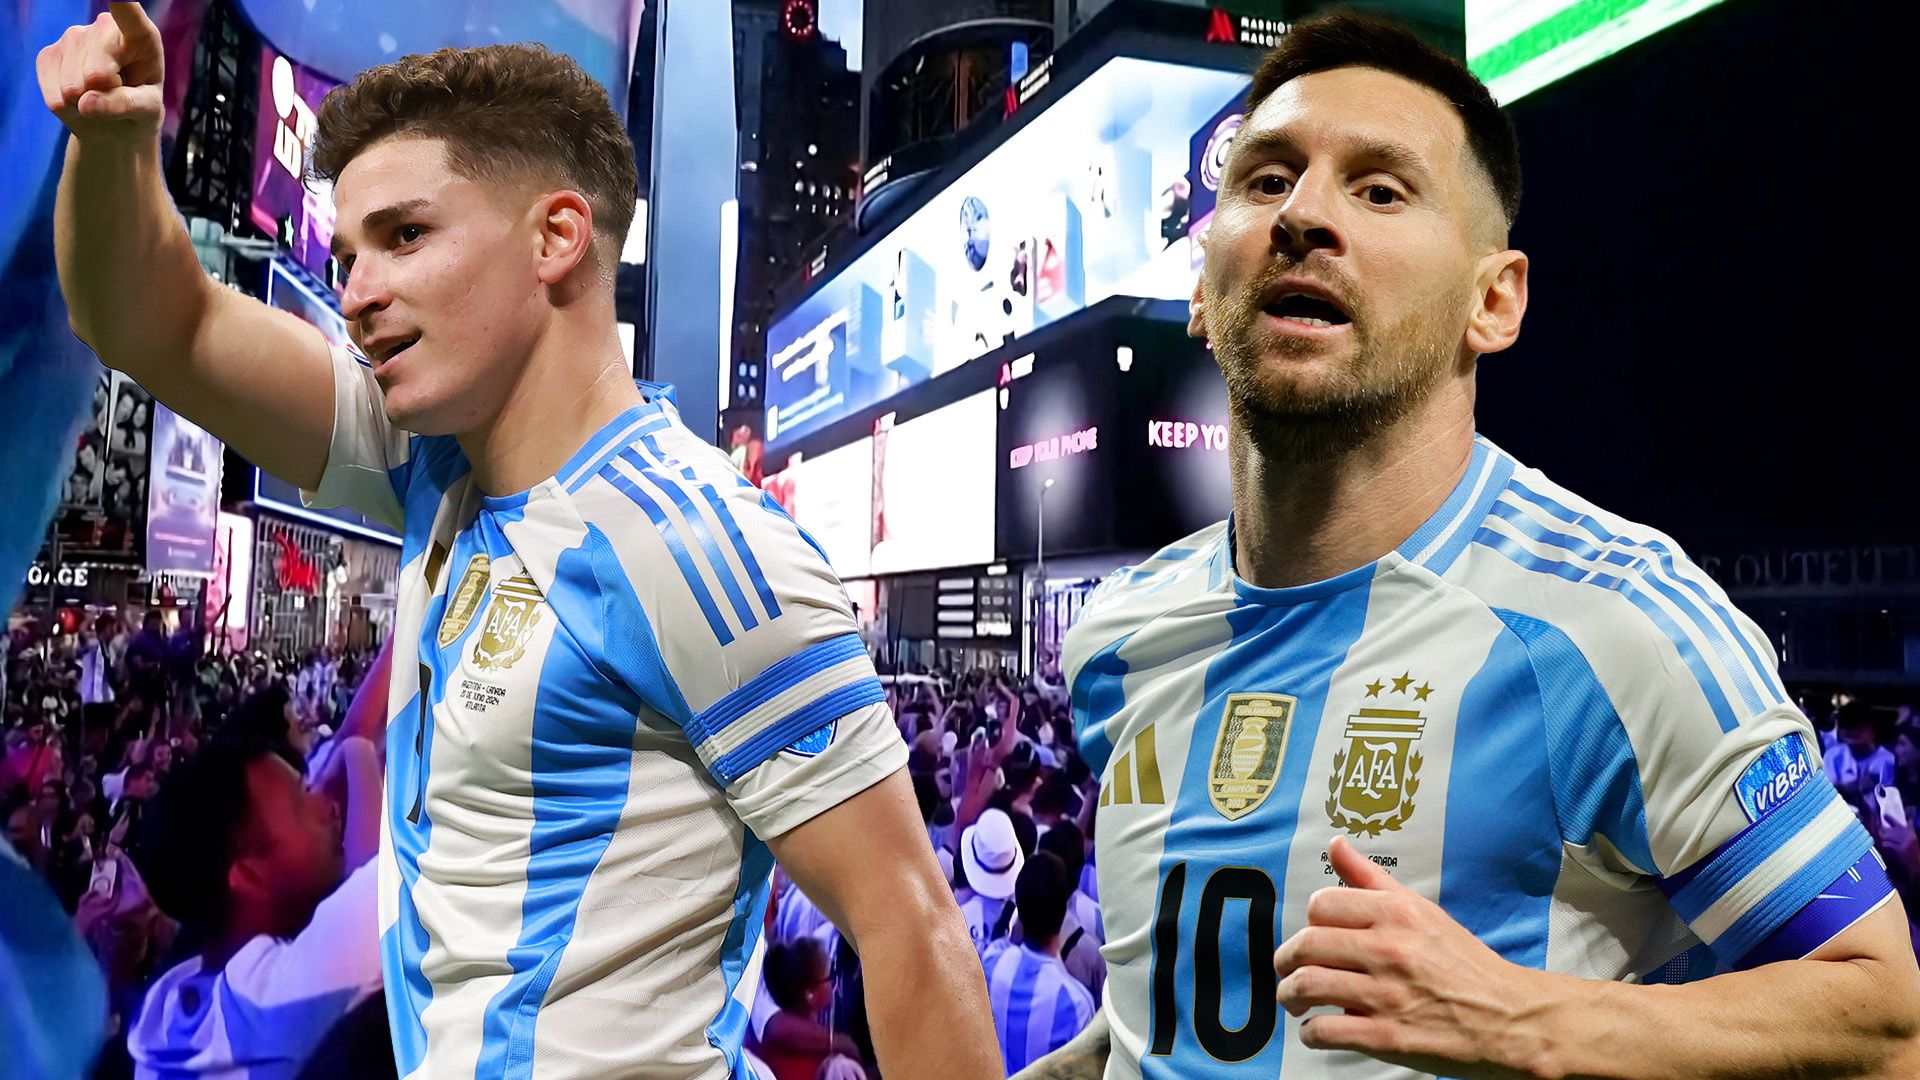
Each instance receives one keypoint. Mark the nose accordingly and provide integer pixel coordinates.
(366, 292)
(1304, 222)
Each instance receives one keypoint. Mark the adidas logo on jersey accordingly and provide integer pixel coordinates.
(1135, 777)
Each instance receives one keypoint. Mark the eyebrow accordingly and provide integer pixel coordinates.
(1275, 142)
(375, 219)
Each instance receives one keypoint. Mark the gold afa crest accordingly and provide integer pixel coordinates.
(1247, 751)
(465, 600)
(509, 624)
(1376, 777)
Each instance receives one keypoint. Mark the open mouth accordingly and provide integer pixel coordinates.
(1308, 310)
(398, 347)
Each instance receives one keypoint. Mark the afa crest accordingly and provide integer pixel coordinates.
(1247, 751)
(509, 624)
(1378, 773)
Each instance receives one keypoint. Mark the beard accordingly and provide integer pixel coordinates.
(1391, 369)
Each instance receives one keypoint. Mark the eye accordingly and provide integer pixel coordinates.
(407, 234)
(1382, 195)
(1273, 184)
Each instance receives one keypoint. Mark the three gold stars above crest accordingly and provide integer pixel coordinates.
(1401, 684)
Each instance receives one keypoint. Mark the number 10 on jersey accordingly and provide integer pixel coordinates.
(1256, 889)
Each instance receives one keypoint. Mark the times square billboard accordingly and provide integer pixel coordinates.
(1090, 199)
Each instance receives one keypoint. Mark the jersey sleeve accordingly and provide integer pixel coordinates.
(308, 983)
(367, 458)
(1678, 758)
(743, 635)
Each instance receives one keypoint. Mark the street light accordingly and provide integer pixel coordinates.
(1040, 560)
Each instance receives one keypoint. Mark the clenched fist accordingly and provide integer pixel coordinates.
(103, 80)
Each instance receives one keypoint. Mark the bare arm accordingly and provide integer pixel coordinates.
(926, 995)
(259, 379)
(1085, 1058)
(1850, 1009)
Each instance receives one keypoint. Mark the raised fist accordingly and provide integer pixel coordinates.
(103, 80)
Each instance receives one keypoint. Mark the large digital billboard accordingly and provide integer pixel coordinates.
(1134, 417)
(1088, 200)
(933, 489)
(831, 497)
(298, 213)
(1519, 46)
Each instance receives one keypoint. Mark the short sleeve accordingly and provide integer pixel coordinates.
(308, 983)
(736, 629)
(367, 457)
(1668, 767)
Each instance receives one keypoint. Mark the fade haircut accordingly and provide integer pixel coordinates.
(1344, 39)
(507, 113)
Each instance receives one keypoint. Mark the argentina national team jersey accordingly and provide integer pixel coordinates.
(1537, 714)
(606, 691)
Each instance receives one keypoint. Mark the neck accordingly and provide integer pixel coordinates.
(1296, 523)
(1049, 947)
(571, 386)
(242, 928)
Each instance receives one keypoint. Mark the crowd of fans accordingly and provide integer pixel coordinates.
(1872, 755)
(198, 814)
(1008, 806)
(105, 731)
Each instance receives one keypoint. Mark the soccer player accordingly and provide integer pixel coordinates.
(623, 681)
(1583, 829)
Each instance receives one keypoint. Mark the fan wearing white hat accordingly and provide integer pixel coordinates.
(990, 853)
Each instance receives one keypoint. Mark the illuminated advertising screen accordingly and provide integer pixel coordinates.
(231, 585)
(183, 495)
(299, 215)
(1519, 46)
(1088, 200)
(1130, 427)
(831, 497)
(288, 293)
(933, 489)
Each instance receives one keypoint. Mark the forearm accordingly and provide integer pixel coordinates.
(133, 285)
(1799, 1019)
(927, 1000)
(361, 834)
(1085, 1058)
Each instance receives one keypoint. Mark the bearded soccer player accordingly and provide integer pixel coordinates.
(1582, 829)
(623, 682)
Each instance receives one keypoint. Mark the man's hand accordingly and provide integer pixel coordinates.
(103, 80)
(1418, 988)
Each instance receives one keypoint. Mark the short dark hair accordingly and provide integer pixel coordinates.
(1345, 39)
(192, 832)
(1854, 715)
(504, 111)
(1041, 893)
(790, 969)
(1056, 795)
(1067, 843)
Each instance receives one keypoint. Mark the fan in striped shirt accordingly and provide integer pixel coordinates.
(1038, 1006)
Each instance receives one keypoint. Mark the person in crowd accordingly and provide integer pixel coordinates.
(794, 1044)
(1398, 618)
(1857, 763)
(542, 579)
(1081, 932)
(278, 890)
(991, 858)
(1038, 1006)
(96, 663)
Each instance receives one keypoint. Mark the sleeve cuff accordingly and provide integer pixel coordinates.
(1755, 883)
(871, 752)
(782, 705)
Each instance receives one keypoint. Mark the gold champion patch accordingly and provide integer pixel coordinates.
(1247, 751)
(509, 623)
(464, 601)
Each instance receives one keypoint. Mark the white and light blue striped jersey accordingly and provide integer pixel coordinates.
(1038, 1006)
(1537, 714)
(988, 920)
(607, 690)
